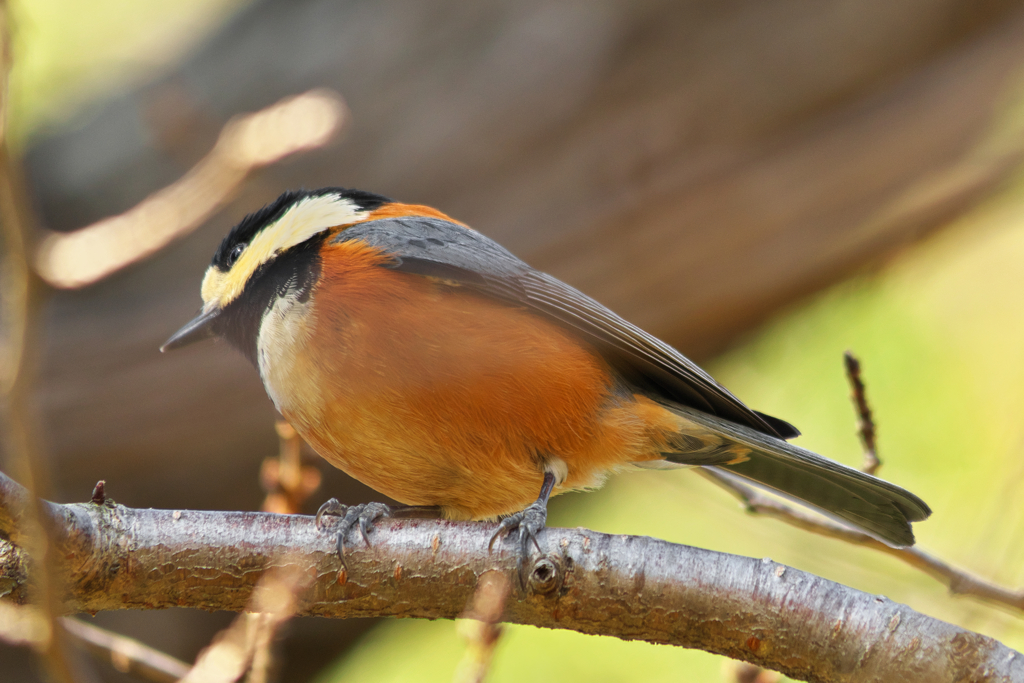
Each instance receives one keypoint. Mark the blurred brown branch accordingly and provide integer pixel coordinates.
(748, 673)
(481, 627)
(21, 296)
(631, 587)
(125, 654)
(246, 645)
(294, 124)
(288, 482)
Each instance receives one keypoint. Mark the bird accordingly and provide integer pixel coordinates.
(428, 362)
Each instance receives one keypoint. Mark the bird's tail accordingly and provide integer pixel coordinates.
(865, 502)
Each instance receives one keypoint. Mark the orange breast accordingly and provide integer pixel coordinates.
(435, 395)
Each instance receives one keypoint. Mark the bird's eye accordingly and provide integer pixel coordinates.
(235, 253)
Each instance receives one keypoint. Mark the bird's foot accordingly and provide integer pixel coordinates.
(530, 522)
(362, 515)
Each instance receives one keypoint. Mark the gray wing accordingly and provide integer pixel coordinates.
(450, 252)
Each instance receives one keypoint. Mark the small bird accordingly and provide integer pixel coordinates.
(429, 363)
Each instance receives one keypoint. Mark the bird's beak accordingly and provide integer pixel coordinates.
(197, 329)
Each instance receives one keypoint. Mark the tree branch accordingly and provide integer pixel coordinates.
(125, 654)
(630, 587)
(958, 581)
(481, 627)
(246, 143)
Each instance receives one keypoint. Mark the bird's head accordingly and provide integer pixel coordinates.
(272, 248)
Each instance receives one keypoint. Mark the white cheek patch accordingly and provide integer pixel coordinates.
(284, 332)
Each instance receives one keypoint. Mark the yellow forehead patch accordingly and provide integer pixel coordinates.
(305, 219)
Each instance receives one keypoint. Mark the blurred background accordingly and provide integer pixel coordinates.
(762, 183)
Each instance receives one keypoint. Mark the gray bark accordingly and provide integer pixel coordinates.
(636, 588)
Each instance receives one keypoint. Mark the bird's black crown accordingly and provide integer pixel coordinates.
(249, 226)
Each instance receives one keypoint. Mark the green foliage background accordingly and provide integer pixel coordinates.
(940, 332)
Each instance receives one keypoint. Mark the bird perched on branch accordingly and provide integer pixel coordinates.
(428, 362)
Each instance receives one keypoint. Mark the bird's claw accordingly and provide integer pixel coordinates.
(362, 515)
(529, 522)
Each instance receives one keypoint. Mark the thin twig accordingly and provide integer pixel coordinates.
(125, 654)
(286, 479)
(748, 673)
(245, 647)
(865, 421)
(958, 581)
